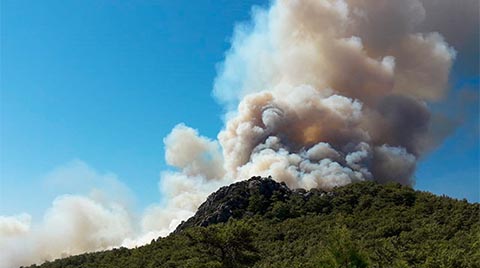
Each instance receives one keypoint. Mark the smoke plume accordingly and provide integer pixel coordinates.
(320, 94)
(317, 93)
(325, 93)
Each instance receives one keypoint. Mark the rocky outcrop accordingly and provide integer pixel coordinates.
(235, 201)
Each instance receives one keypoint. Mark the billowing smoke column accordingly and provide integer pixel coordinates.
(325, 93)
(318, 94)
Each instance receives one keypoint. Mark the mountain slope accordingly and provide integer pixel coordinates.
(262, 223)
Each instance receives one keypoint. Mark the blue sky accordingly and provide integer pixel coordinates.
(104, 82)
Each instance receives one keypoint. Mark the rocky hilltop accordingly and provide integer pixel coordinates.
(233, 201)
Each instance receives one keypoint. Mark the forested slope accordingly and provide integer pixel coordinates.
(262, 223)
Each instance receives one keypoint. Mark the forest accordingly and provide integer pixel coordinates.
(261, 223)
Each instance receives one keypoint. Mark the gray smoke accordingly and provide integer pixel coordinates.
(348, 80)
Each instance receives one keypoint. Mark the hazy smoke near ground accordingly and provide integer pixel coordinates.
(318, 93)
(73, 225)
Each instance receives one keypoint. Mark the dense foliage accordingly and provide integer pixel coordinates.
(359, 225)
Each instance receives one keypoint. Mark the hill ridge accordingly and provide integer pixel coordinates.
(262, 223)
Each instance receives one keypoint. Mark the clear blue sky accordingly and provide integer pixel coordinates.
(105, 81)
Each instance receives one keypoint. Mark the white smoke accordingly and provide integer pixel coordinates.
(318, 94)
(73, 225)
(192, 154)
(14, 225)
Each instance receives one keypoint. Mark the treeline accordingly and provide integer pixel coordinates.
(359, 225)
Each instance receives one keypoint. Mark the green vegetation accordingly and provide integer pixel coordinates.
(359, 225)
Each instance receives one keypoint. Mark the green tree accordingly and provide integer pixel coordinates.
(230, 244)
(342, 251)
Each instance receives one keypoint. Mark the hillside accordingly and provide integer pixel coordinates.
(262, 223)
